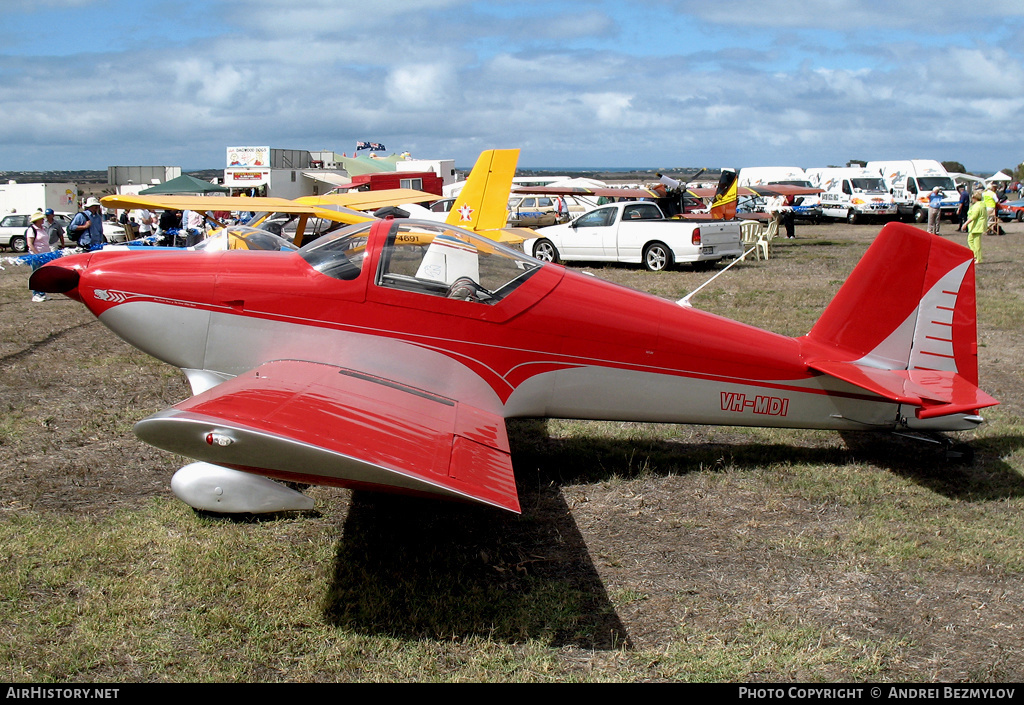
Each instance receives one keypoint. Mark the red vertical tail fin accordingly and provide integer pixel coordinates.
(904, 324)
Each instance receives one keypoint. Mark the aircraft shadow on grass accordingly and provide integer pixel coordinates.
(594, 459)
(415, 568)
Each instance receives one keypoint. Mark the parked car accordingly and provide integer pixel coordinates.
(12, 231)
(1012, 210)
(531, 211)
(442, 206)
(637, 232)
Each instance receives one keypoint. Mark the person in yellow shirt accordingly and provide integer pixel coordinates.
(977, 222)
(992, 208)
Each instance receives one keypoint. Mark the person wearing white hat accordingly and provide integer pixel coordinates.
(38, 241)
(934, 210)
(88, 225)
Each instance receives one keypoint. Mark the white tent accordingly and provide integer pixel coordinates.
(964, 178)
(998, 176)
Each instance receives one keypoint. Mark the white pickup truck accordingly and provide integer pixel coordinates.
(637, 232)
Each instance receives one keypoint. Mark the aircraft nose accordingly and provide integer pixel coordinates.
(60, 277)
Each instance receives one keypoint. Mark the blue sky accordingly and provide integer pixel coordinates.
(662, 83)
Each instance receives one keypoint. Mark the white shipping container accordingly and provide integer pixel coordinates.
(28, 198)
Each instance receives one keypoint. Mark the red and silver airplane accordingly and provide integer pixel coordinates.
(388, 355)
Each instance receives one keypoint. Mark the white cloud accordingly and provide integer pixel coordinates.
(978, 72)
(610, 109)
(930, 16)
(421, 87)
(426, 76)
(391, 19)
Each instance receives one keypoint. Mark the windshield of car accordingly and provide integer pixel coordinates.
(868, 184)
(597, 218)
(927, 183)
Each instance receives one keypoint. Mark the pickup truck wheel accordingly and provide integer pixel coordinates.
(657, 257)
(545, 251)
(851, 217)
(920, 216)
(19, 244)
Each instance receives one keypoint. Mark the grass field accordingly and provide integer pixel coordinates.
(645, 552)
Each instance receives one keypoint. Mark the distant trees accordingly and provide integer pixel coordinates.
(956, 167)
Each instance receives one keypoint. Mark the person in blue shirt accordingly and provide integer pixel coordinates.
(88, 225)
(934, 210)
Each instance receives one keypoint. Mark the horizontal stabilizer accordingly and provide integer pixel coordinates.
(322, 424)
(935, 392)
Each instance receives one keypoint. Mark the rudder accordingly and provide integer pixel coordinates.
(483, 202)
(908, 304)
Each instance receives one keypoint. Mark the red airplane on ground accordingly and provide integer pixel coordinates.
(389, 354)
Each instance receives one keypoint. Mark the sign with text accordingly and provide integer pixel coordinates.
(248, 156)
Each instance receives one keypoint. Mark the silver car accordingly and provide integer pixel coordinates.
(13, 227)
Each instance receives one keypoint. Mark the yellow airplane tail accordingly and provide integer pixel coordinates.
(723, 207)
(483, 202)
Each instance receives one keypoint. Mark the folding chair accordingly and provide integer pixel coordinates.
(768, 235)
(750, 231)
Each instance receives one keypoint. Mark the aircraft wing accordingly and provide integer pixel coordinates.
(509, 236)
(203, 204)
(778, 190)
(773, 190)
(286, 417)
(656, 192)
(370, 200)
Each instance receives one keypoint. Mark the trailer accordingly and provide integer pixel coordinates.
(28, 198)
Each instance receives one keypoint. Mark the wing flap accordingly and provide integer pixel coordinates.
(934, 392)
(335, 426)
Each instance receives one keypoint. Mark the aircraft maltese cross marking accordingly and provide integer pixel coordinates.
(465, 214)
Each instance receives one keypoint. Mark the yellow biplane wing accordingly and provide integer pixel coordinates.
(370, 200)
(260, 205)
(203, 204)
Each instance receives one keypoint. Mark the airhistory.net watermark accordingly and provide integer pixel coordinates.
(41, 693)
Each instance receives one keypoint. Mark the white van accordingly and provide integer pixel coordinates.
(910, 181)
(806, 207)
(852, 193)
